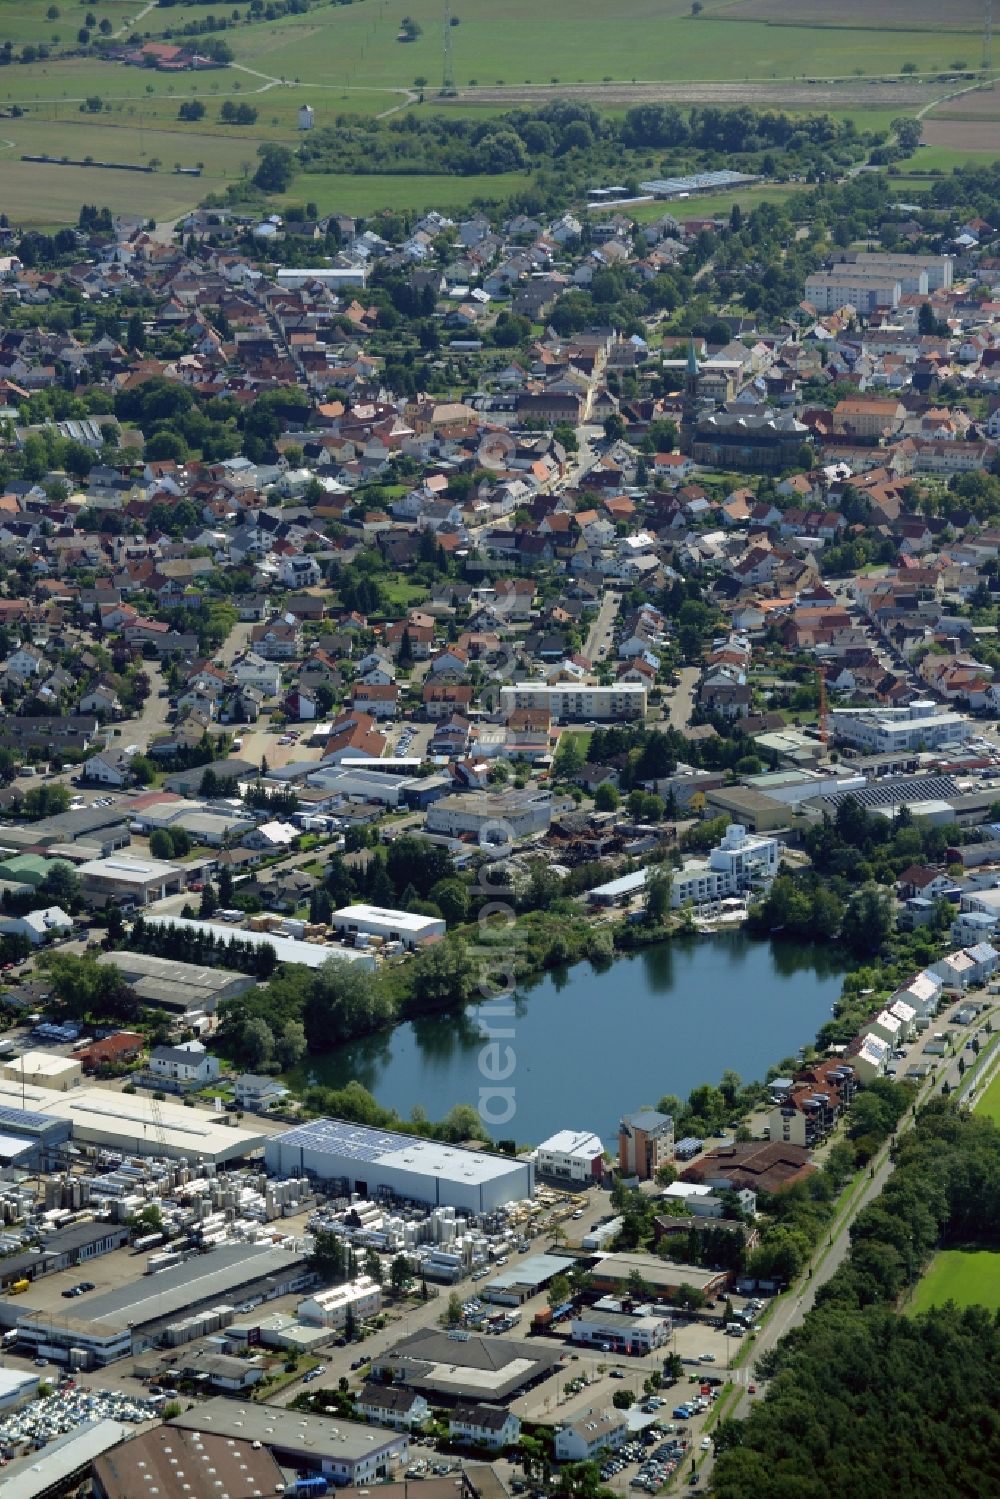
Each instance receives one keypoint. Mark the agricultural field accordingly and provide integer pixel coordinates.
(904, 15)
(565, 42)
(47, 197)
(969, 1277)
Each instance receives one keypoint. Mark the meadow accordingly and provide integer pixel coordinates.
(363, 196)
(969, 1277)
(348, 59)
(565, 41)
(989, 1102)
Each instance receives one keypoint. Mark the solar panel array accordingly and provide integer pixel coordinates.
(696, 182)
(22, 1118)
(356, 1142)
(894, 791)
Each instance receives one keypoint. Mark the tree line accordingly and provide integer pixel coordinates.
(859, 1379)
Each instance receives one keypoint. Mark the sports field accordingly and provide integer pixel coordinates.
(969, 1277)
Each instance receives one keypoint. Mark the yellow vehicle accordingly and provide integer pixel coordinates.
(19, 1286)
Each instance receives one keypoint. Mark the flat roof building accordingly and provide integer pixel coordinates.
(136, 1125)
(348, 1451)
(120, 879)
(570, 702)
(661, 1277)
(181, 987)
(394, 926)
(377, 1162)
(889, 730)
(286, 949)
(44, 1068)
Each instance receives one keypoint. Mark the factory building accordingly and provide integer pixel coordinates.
(571, 1155)
(172, 1306)
(392, 926)
(375, 1162)
(121, 880)
(286, 949)
(129, 1123)
(29, 1138)
(346, 1451)
(179, 987)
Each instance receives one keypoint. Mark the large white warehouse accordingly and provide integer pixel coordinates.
(423, 1170)
(137, 1125)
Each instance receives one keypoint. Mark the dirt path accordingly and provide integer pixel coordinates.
(828, 93)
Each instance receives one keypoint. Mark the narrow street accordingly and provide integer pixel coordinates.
(602, 633)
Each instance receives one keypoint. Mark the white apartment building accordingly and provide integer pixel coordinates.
(915, 273)
(850, 286)
(581, 1441)
(571, 1155)
(570, 702)
(329, 1308)
(187, 1062)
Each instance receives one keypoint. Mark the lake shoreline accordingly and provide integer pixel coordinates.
(429, 1061)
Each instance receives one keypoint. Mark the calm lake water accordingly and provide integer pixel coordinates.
(593, 1044)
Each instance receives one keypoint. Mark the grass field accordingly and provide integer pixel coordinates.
(347, 59)
(568, 41)
(50, 196)
(710, 204)
(929, 15)
(368, 195)
(969, 1277)
(989, 1102)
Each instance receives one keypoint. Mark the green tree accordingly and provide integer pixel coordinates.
(290, 1046)
(869, 920)
(275, 169)
(607, 797)
(559, 1291)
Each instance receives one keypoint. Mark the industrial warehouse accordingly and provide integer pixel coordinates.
(129, 1123)
(373, 1162)
(174, 1305)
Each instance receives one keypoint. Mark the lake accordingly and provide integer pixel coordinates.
(590, 1044)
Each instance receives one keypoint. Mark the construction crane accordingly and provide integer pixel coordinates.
(159, 1130)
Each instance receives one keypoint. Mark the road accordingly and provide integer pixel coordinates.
(602, 633)
(682, 702)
